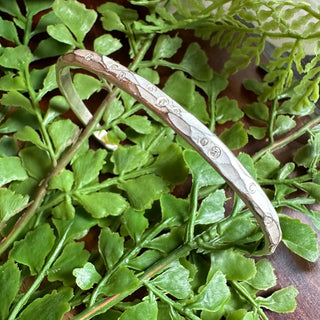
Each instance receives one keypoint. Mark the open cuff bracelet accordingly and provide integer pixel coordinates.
(207, 144)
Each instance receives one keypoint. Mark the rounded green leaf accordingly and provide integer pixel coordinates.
(213, 295)
(34, 248)
(281, 301)
(11, 169)
(144, 310)
(86, 276)
(235, 137)
(299, 238)
(16, 57)
(106, 44)
(9, 284)
(103, 204)
(42, 308)
(71, 13)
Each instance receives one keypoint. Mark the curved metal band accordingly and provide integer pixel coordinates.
(184, 123)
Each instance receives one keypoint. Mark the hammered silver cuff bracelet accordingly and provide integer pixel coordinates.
(207, 144)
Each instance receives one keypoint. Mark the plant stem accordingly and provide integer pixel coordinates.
(281, 143)
(193, 212)
(243, 292)
(43, 188)
(174, 304)
(40, 277)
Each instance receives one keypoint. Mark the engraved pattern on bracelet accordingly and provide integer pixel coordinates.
(185, 124)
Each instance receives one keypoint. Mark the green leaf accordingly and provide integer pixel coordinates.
(233, 265)
(57, 106)
(135, 223)
(90, 159)
(10, 7)
(11, 169)
(227, 110)
(9, 284)
(8, 31)
(17, 120)
(8, 146)
(103, 204)
(34, 248)
(143, 310)
(86, 276)
(64, 210)
(62, 181)
(235, 137)
(36, 162)
(129, 158)
(121, 280)
(73, 256)
(166, 46)
(281, 301)
(211, 209)
(145, 260)
(144, 190)
(299, 238)
(77, 228)
(283, 124)
(62, 134)
(111, 247)
(106, 44)
(167, 242)
(71, 12)
(62, 34)
(17, 57)
(237, 230)
(265, 277)
(86, 85)
(12, 82)
(257, 111)
(195, 62)
(257, 132)
(16, 99)
(116, 17)
(174, 281)
(213, 295)
(248, 163)
(140, 124)
(267, 166)
(202, 173)
(33, 7)
(29, 134)
(11, 203)
(49, 82)
(50, 48)
(313, 189)
(175, 209)
(170, 165)
(149, 74)
(41, 308)
(114, 111)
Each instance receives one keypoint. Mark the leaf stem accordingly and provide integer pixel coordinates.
(193, 212)
(243, 292)
(281, 143)
(185, 311)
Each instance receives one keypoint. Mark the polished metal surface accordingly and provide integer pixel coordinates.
(184, 123)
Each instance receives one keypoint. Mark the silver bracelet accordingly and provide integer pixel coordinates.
(207, 144)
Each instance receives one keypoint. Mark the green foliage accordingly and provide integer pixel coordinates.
(150, 224)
